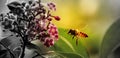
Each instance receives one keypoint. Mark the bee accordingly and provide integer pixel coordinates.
(77, 34)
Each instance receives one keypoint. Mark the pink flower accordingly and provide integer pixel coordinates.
(53, 31)
(49, 42)
(51, 6)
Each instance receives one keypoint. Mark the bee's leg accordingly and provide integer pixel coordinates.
(77, 41)
(73, 37)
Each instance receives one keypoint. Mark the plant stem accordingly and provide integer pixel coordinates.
(23, 47)
(23, 50)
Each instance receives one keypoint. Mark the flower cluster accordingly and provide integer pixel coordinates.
(31, 20)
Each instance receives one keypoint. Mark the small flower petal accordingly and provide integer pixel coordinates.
(51, 6)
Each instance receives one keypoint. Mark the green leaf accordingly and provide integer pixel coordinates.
(66, 46)
(70, 55)
(111, 42)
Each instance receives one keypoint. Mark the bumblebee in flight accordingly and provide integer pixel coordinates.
(77, 34)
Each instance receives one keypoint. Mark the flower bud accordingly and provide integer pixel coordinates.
(50, 19)
(56, 18)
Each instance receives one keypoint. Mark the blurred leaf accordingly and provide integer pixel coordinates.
(71, 55)
(67, 47)
(111, 42)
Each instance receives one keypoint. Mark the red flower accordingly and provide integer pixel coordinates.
(56, 18)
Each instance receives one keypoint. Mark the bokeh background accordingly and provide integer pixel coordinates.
(89, 16)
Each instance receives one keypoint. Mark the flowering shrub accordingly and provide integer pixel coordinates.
(31, 21)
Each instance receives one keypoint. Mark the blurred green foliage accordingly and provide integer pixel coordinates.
(66, 46)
